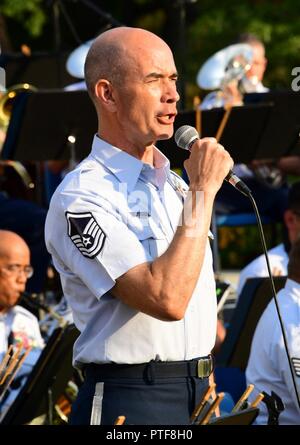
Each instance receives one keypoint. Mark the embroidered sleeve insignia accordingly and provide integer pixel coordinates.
(296, 365)
(85, 233)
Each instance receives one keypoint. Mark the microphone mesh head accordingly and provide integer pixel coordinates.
(185, 135)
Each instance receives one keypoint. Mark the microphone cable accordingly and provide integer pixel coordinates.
(185, 137)
(274, 293)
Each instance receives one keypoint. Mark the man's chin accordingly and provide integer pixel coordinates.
(15, 299)
(166, 135)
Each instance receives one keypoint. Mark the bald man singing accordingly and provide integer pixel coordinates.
(130, 241)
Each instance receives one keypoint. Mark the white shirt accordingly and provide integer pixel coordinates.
(136, 210)
(19, 324)
(16, 325)
(268, 367)
(278, 258)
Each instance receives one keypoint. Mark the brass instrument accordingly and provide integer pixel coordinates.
(75, 61)
(6, 104)
(21, 170)
(224, 72)
(7, 99)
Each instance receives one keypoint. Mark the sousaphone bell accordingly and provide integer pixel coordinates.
(226, 67)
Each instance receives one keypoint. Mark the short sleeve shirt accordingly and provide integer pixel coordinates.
(278, 258)
(268, 368)
(112, 213)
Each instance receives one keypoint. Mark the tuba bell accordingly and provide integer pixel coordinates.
(224, 72)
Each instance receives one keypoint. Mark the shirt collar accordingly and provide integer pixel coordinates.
(127, 168)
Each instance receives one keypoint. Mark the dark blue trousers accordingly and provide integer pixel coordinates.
(158, 401)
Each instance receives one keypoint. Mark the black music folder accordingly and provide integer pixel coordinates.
(40, 69)
(242, 417)
(281, 135)
(254, 298)
(51, 372)
(241, 135)
(42, 122)
(266, 127)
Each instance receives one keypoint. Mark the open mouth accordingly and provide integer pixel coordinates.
(166, 119)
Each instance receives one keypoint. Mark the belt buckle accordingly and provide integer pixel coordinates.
(204, 367)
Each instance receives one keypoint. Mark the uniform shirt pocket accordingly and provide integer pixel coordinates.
(150, 235)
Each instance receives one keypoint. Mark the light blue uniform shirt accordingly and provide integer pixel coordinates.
(268, 368)
(127, 213)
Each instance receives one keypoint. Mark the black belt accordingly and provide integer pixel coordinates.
(200, 368)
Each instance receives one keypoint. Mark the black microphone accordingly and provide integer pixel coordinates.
(185, 137)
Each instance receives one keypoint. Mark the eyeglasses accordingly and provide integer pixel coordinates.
(17, 269)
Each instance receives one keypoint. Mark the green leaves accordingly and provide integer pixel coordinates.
(29, 13)
(209, 27)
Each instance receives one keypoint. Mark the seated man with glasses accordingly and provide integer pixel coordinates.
(17, 324)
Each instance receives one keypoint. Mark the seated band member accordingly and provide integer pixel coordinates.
(278, 255)
(17, 324)
(268, 368)
(263, 177)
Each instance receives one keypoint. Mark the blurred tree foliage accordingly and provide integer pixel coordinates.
(276, 22)
(240, 245)
(194, 29)
(30, 14)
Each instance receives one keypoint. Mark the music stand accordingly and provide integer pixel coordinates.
(240, 137)
(231, 361)
(39, 69)
(243, 417)
(254, 298)
(43, 126)
(281, 135)
(47, 380)
(223, 289)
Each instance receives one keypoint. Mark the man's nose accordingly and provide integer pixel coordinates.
(171, 97)
(171, 94)
(22, 277)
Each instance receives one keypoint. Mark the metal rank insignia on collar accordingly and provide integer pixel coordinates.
(179, 187)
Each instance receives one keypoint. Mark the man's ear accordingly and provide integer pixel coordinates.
(105, 94)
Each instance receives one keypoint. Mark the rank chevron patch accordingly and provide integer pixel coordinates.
(85, 233)
(296, 364)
